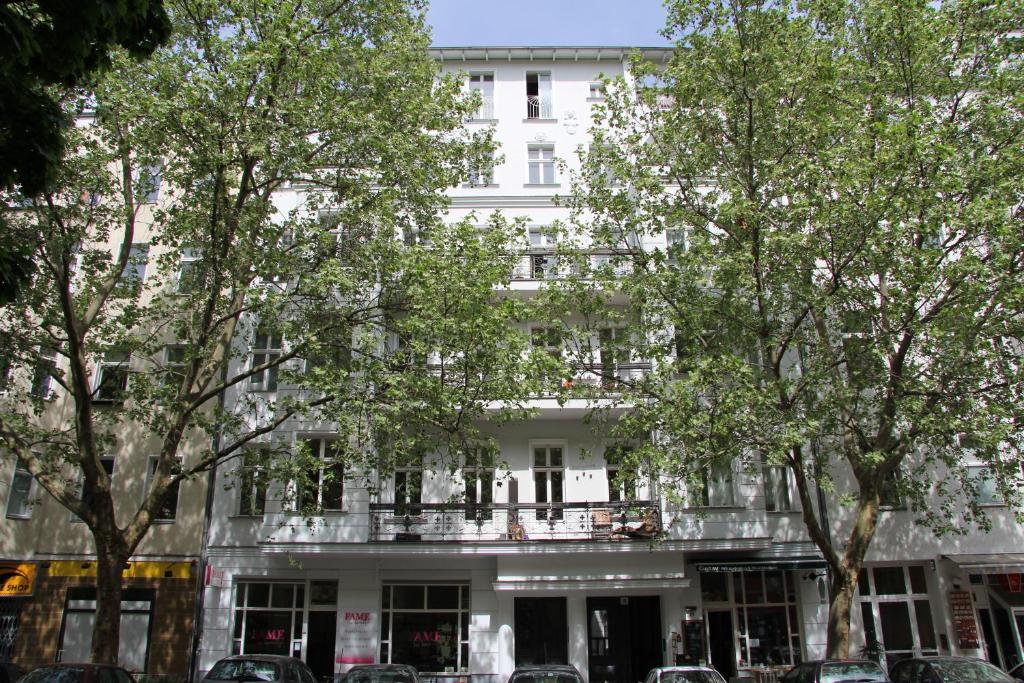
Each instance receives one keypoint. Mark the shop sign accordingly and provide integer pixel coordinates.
(133, 570)
(964, 625)
(358, 638)
(214, 577)
(17, 579)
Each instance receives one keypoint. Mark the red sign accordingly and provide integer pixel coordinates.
(426, 637)
(1009, 582)
(964, 624)
(357, 616)
(268, 634)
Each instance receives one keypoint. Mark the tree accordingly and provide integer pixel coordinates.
(48, 45)
(840, 289)
(246, 187)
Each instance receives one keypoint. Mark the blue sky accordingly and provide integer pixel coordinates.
(633, 23)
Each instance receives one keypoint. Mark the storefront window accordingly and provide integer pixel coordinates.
(426, 626)
(268, 618)
(894, 604)
(767, 618)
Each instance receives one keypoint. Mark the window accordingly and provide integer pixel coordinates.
(108, 466)
(333, 348)
(481, 171)
(676, 242)
(6, 371)
(538, 96)
(174, 366)
(148, 189)
(190, 276)
(268, 618)
(541, 164)
(134, 273)
(426, 626)
(323, 490)
(716, 487)
(112, 377)
(549, 340)
(19, 498)
(614, 351)
(894, 604)
(984, 484)
(776, 489)
(42, 374)
(252, 485)
(266, 348)
(541, 631)
(890, 496)
(341, 242)
(543, 261)
(548, 480)
(623, 482)
(409, 486)
(605, 173)
(168, 509)
(478, 475)
(483, 83)
(768, 627)
(596, 91)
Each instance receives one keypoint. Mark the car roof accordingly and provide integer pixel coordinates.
(527, 668)
(383, 667)
(259, 657)
(686, 667)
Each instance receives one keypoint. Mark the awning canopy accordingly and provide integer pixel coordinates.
(989, 563)
(782, 564)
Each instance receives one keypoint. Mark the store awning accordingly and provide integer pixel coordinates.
(989, 563)
(782, 564)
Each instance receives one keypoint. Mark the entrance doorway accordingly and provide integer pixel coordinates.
(320, 644)
(624, 637)
(720, 642)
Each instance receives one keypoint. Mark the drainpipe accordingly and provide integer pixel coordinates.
(204, 550)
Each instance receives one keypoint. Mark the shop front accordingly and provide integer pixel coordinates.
(995, 584)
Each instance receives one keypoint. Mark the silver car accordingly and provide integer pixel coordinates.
(684, 674)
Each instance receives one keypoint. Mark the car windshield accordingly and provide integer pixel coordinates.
(244, 670)
(544, 677)
(954, 671)
(378, 676)
(833, 672)
(56, 674)
(690, 677)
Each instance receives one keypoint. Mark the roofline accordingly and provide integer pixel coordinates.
(547, 53)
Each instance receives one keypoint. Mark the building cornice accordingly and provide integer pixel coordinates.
(551, 53)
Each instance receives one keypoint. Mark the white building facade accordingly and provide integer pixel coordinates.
(550, 565)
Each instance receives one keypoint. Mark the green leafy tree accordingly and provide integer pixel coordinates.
(45, 46)
(830, 201)
(232, 218)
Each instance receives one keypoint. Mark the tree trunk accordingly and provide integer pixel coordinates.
(840, 591)
(106, 634)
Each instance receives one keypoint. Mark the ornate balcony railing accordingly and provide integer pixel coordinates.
(545, 264)
(536, 108)
(468, 523)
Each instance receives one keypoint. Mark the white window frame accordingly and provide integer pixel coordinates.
(186, 262)
(329, 453)
(148, 180)
(777, 493)
(716, 491)
(23, 483)
(408, 477)
(42, 384)
(617, 490)
(478, 480)
(553, 496)
(596, 91)
(987, 494)
(113, 359)
(266, 347)
(174, 493)
(540, 158)
(478, 82)
(481, 171)
(543, 107)
(252, 485)
(134, 274)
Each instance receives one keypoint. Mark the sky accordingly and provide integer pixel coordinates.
(633, 23)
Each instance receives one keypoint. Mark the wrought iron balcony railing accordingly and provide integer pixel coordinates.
(467, 522)
(537, 108)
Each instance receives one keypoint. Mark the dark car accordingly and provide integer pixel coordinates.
(947, 670)
(78, 673)
(381, 673)
(835, 671)
(546, 673)
(252, 668)
(9, 673)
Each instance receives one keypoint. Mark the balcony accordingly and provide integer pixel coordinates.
(545, 264)
(538, 108)
(468, 523)
(485, 112)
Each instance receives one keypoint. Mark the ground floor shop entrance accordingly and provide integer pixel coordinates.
(624, 637)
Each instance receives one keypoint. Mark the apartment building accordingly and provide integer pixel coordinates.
(47, 555)
(551, 560)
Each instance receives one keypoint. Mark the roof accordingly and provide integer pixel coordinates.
(572, 53)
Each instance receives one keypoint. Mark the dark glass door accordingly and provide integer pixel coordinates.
(720, 641)
(542, 631)
(624, 638)
(320, 644)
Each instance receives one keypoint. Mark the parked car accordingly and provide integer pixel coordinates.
(1017, 672)
(380, 673)
(546, 673)
(9, 673)
(249, 668)
(71, 672)
(684, 674)
(947, 670)
(835, 671)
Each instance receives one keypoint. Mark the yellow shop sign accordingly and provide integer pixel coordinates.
(17, 579)
(134, 570)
